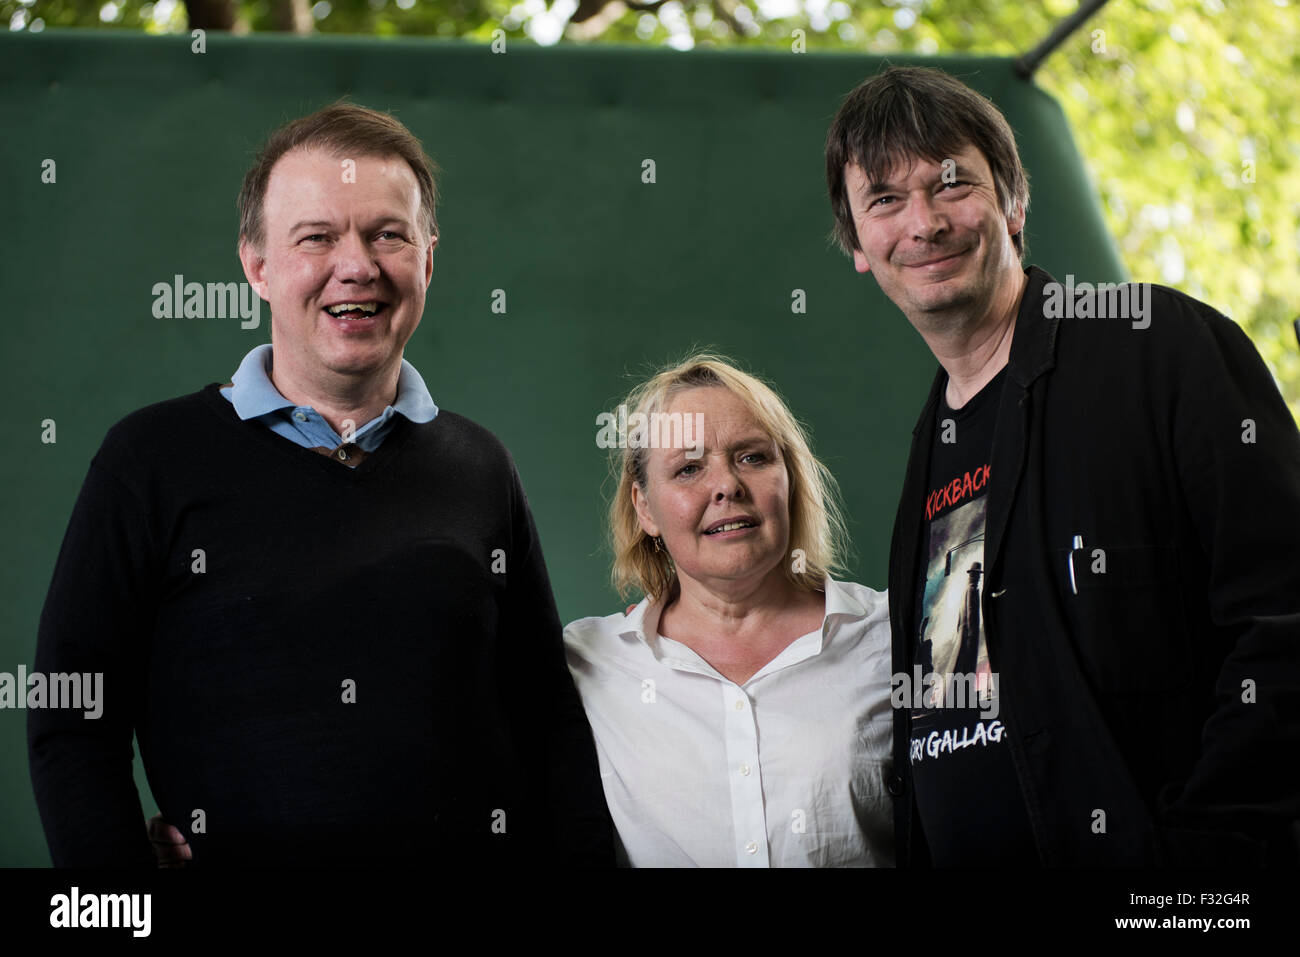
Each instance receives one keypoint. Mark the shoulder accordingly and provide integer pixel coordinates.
(1139, 338)
(865, 614)
(1175, 313)
(455, 426)
(1177, 342)
(1202, 330)
(1177, 301)
(454, 434)
(872, 603)
(162, 425)
(585, 634)
(169, 413)
(609, 644)
(1147, 317)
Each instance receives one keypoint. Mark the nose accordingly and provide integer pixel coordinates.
(729, 485)
(353, 261)
(924, 219)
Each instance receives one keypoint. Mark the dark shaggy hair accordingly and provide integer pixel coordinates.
(918, 113)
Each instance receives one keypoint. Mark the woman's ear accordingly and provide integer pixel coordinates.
(641, 503)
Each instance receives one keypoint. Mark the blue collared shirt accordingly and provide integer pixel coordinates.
(255, 397)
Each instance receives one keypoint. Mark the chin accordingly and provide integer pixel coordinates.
(353, 365)
(944, 301)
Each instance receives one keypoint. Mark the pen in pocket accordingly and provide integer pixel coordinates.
(1076, 544)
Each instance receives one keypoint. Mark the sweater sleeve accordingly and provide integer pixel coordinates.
(548, 713)
(94, 619)
(1238, 455)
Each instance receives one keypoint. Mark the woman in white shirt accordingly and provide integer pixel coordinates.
(741, 710)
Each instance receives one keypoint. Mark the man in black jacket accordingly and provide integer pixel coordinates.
(1122, 467)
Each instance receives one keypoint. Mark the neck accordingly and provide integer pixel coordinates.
(339, 399)
(728, 607)
(975, 350)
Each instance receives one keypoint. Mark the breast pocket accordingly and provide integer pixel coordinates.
(1126, 609)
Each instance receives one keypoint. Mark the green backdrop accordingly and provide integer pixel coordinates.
(542, 154)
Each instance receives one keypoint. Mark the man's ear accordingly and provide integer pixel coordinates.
(1016, 221)
(860, 261)
(428, 261)
(254, 264)
(642, 506)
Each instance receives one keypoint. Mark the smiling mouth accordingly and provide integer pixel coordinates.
(353, 311)
(938, 262)
(732, 526)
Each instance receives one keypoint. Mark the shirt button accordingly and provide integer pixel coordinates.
(300, 416)
(739, 705)
(751, 848)
(744, 769)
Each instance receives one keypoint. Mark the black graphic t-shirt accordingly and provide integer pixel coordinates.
(969, 798)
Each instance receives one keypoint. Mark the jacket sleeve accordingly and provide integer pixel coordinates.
(1238, 456)
(549, 716)
(95, 614)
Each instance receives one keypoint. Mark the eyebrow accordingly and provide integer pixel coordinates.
(326, 224)
(875, 188)
(750, 441)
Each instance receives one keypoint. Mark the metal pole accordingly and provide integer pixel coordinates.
(1027, 63)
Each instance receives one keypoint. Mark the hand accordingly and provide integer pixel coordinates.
(169, 845)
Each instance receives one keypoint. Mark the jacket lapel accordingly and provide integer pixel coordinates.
(903, 585)
(1033, 352)
(903, 580)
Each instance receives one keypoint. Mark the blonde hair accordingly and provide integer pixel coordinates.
(816, 520)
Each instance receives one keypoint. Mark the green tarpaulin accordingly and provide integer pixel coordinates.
(544, 166)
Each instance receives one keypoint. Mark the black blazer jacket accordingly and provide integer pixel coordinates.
(1154, 719)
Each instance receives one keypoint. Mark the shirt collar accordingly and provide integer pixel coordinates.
(643, 621)
(254, 394)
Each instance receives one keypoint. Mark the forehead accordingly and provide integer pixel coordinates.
(319, 178)
(901, 168)
(726, 415)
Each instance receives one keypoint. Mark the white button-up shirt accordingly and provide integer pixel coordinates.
(787, 770)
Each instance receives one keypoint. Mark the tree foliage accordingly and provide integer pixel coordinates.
(1186, 111)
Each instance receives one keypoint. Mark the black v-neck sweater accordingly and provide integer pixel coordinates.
(321, 664)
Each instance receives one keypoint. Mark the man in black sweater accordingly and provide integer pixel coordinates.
(317, 600)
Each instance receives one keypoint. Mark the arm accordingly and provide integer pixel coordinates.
(95, 615)
(1244, 499)
(549, 713)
